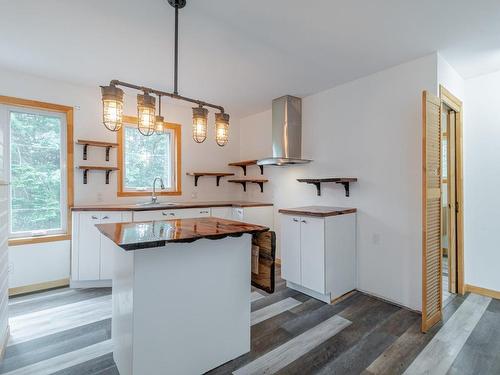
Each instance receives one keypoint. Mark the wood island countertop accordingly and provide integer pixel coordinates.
(148, 234)
(318, 211)
(166, 205)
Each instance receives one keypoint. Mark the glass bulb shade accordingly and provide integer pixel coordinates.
(159, 125)
(112, 107)
(200, 116)
(221, 129)
(146, 119)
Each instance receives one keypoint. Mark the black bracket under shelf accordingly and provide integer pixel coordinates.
(261, 169)
(317, 182)
(85, 148)
(244, 184)
(86, 172)
(218, 179)
(107, 153)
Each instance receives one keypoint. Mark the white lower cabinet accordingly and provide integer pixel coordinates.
(91, 252)
(260, 215)
(318, 255)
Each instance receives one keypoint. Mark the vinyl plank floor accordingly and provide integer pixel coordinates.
(278, 358)
(68, 331)
(444, 347)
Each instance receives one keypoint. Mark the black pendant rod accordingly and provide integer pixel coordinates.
(177, 4)
(176, 48)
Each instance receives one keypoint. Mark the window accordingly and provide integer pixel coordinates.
(142, 159)
(40, 171)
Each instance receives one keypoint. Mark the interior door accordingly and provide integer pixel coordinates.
(432, 283)
(452, 204)
(290, 248)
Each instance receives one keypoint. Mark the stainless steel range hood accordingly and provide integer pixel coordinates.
(287, 132)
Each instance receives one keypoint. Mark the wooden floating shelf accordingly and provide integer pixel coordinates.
(86, 143)
(338, 180)
(243, 182)
(245, 163)
(87, 168)
(217, 175)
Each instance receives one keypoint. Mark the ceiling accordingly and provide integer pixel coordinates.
(240, 53)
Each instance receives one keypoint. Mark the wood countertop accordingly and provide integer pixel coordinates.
(166, 205)
(148, 234)
(318, 211)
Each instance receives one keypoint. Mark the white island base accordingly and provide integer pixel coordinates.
(183, 308)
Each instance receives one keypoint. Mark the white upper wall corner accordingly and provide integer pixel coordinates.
(243, 54)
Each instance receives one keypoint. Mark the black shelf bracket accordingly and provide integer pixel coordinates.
(261, 169)
(108, 172)
(107, 153)
(85, 174)
(346, 187)
(85, 149)
(261, 184)
(318, 186)
(244, 184)
(218, 179)
(196, 180)
(244, 169)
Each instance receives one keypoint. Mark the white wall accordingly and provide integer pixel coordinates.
(88, 125)
(370, 129)
(482, 181)
(449, 78)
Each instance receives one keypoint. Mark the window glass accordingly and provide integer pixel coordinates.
(147, 158)
(35, 171)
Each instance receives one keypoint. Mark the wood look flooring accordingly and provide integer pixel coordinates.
(68, 332)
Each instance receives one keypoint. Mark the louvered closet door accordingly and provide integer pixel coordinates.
(431, 212)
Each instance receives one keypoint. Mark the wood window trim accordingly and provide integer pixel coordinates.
(68, 112)
(456, 104)
(176, 129)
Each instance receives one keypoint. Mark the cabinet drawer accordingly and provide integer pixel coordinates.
(155, 215)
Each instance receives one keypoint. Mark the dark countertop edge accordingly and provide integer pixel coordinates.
(176, 207)
(317, 214)
(161, 243)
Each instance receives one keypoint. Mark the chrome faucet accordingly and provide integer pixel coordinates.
(154, 198)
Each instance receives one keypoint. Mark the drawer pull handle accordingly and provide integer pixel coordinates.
(94, 217)
(105, 217)
(296, 220)
(203, 212)
(305, 222)
(172, 214)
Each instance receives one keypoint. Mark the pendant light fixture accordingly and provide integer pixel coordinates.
(160, 121)
(146, 114)
(148, 123)
(200, 117)
(112, 103)
(221, 128)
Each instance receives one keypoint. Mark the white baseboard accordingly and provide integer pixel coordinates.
(90, 284)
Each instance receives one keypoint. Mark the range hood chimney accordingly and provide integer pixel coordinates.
(287, 132)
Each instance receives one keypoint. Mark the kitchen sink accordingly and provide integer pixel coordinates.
(159, 204)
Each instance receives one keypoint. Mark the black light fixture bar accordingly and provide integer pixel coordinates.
(172, 95)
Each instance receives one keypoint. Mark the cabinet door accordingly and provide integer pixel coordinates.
(312, 253)
(290, 248)
(108, 246)
(89, 239)
(222, 212)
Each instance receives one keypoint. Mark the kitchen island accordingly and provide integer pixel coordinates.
(181, 294)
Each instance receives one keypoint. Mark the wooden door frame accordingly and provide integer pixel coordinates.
(456, 105)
